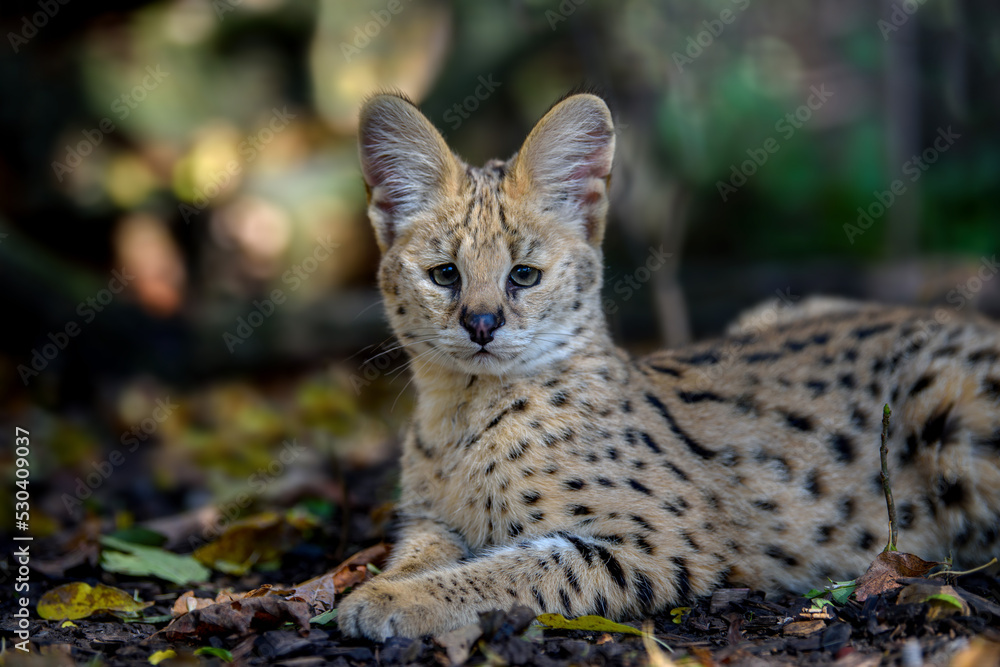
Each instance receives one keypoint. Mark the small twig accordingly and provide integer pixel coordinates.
(955, 573)
(884, 455)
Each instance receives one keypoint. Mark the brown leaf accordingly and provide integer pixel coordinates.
(803, 628)
(943, 600)
(320, 592)
(240, 617)
(885, 569)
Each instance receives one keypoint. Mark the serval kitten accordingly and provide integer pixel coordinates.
(544, 467)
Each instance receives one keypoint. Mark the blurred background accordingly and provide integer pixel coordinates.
(187, 273)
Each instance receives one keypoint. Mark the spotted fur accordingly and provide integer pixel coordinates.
(547, 468)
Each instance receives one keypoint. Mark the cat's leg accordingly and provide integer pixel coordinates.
(563, 573)
(424, 544)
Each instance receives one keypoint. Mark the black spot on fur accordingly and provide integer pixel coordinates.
(612, 565)
(990, 441)
(535, 517)
(812, 484)
(936, 426)
(642, 522)
(574, 583)
(600, 605)
(779, 554)
(681, 475)
(824, 534)
(699, 396)
(574, 484)
(673, 372)
(611, 453)
(542, 604)
(690, 541)
(515, 529)
(683, 578)
(922, 383)
(604, 481)
(906, 514)
(627, 406)
(677, 430)
(644, 545)
(987, 355)
(639, 487)
(518, 450)
(644, 592)
(847, 381)
(843, 447)
(866, 332)
(866, 540)
(582, 547)
(765, 505)
(531, 497)
(846, 508)
(909, 450)
(564, 599)
(703, 359)
(859, 419)
(578, 510)
(950, 493)
(799, 422)
(818, 387)
(650, 442)
(558, 399)
(760, 357)
(671, 508)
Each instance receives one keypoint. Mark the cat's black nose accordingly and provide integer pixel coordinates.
(482, 325)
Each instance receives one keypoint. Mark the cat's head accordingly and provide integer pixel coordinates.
(493, 270)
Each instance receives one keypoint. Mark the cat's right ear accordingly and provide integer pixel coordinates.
(406, 164)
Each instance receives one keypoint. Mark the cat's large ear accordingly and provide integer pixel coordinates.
(405, 162)
(567, 159)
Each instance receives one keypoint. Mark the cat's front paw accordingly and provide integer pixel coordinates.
(385, 608)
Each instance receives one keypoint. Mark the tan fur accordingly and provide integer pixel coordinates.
(558, 473)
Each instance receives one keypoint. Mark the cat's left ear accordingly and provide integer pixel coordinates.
(566, 160)
(406, 164)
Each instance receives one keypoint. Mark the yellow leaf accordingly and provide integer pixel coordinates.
(160, 656)
(80, 600)
(591, 623)
(68, 624)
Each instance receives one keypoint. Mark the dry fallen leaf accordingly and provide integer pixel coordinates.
(239, 616)
(944, 601)
(803, 628)
(80, 600)
(885, 569)
(320, 592)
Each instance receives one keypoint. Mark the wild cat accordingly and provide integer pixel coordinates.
(545, 467)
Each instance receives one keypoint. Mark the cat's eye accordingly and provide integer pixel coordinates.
(525, 276)
(445, 275)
